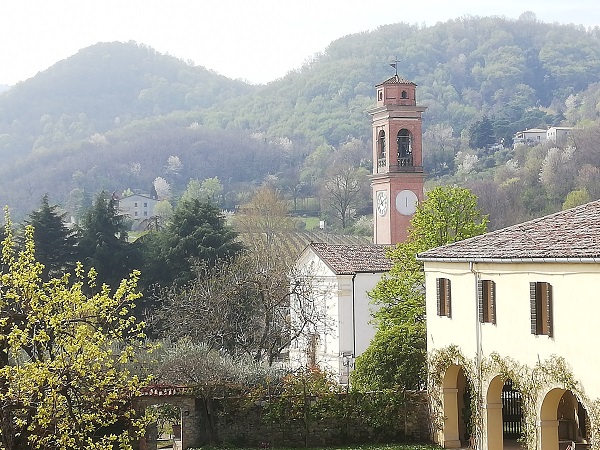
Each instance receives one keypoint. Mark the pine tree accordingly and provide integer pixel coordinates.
(196, 233)
(103, 241)
(55, 243)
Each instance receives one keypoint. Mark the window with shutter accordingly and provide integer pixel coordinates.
(444, 297)
(486, 292)
(540, 297)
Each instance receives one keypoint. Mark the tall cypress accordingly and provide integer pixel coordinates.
(55, 241)
(103, 241)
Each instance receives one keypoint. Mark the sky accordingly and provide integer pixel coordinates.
(253, 40)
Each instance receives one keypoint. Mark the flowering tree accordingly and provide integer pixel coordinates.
(64, 356)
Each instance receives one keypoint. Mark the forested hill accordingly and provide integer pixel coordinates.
(106, 86)
(110, 116)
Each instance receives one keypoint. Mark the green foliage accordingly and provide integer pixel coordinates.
(64, 357)
(448, 215)
(481, 134)
(358, 447)
(396, 355)
(55, 243)
(103, 241)
(576, 198)
(207, 190)
(196, 233)
(312, 399)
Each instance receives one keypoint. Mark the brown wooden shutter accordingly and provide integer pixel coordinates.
(549, 307)
(533, 306)
(448, 299)
(492, 300)
(480, 304)
(438, 282)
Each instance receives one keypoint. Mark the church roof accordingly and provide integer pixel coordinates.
(396, 79)
(352, 259)
(572, 235)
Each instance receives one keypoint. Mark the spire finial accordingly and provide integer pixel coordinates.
(395, 65)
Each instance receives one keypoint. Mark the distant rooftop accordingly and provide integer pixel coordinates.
(352, 259)
(572, 235)
(396, 79)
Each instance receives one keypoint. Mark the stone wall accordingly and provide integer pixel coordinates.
(388, 420)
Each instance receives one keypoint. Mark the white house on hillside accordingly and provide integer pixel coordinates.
(138, 207)
(342, 275)
(535, 136)
(512, 334)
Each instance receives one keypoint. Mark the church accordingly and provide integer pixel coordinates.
(345, 274)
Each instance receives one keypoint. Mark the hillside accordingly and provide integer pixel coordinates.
(111, 116)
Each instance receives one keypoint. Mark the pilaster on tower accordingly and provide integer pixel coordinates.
(398, 178)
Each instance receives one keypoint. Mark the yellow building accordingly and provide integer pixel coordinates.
(512, 335)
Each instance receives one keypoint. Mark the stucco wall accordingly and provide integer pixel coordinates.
(575, 304)
(349, 313)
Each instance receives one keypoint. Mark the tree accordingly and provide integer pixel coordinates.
(207, 190)
(345, 189)
(242, 306)
(263, 217)
(103, 241)
(396, 356)
(210, 372)
(576, 198)
(442, 147)
(481, 133)
(197, 233)
(64, 355)
(55, 243)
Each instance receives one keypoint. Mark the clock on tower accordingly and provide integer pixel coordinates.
(398, 176)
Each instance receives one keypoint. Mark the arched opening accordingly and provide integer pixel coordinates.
(564, 422)
(404, 148)
(512, 415)
(381, 153)
(504, 415)
(164, 430)
(457, 395)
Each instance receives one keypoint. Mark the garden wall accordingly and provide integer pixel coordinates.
(331, 419)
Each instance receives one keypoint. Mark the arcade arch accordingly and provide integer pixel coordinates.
(457, 393)
(564, 421)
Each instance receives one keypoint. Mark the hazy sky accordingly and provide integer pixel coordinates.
(254, 40)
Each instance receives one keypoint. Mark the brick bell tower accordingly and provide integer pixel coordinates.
(397, 178)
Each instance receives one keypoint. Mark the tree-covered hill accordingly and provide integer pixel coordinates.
(83, 124)
(98, 89)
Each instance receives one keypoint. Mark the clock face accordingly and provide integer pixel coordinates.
(406, 202)
(382, 203)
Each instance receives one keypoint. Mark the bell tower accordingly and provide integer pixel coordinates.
(397, 179)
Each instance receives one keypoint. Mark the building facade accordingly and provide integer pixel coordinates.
(511, 334)
(397, 178)
(342, 276)
(138, 207)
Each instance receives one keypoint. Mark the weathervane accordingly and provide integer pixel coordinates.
(395, 65)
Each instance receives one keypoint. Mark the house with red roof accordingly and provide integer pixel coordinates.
(341, 277)
(512, 334)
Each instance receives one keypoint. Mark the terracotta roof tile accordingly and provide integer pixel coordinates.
(351, 259)
(573, 234)
(396, 79)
